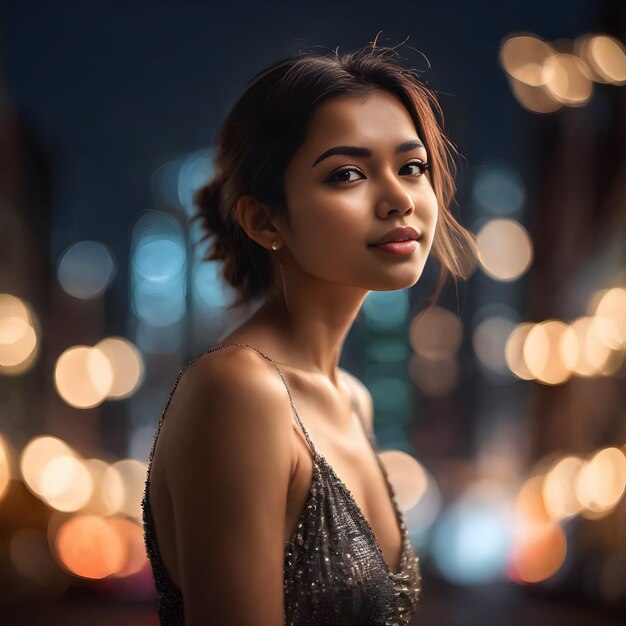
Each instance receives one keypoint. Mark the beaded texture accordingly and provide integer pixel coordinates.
(335, 573)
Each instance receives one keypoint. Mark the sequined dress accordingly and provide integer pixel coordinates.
(335, 573)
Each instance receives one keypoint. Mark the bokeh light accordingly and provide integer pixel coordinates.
(131, 535)
(599, 485)
(435, 378)
(195, 170)
(66, 483)
(386, 309)
(538, 555)
(387, 350)
(499, 190)
(534, 99)
(130, 475)
(86, 269)
(126, 363)
(36, 456)
(539, 546)
(605, 56)
(471, 540)
(90, 547)
(504, 249)
(209, 288)
(568, 79)
(99, 502)
(543, 80)
(158, 258)
(421, 517)
(593, 354)
(611, 305)
(19, 331)
(406, 475)
(83, 376)
(550, 352)
(523, 58)
(514, 351)
(158, 270)
(558, 491)
(436, 334)
(490, 339)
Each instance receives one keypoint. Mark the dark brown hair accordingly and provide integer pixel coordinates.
(268, 124)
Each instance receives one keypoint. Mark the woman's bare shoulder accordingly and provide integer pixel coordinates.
(229, 369)
(233, 382)
(229, 461)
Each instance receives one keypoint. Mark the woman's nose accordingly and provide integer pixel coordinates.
(394, 198)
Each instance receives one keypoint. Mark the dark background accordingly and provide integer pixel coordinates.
(97, 96)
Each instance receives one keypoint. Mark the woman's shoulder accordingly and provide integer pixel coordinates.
(228, 460)
(224, 390)
(228, 366)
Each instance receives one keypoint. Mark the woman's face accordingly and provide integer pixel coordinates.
(339, 204)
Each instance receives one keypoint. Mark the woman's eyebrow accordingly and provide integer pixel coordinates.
(366, 152)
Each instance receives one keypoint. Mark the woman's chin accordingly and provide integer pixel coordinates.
(400, 280)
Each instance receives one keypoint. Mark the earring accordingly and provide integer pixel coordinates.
(274, 245)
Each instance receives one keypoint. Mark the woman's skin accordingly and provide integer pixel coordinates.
(326, 266)
(232, 466)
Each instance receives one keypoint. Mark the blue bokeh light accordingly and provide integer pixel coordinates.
(386, 309)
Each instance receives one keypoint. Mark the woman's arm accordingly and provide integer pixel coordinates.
(229, 460)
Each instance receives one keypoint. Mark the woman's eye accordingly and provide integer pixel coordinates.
(335, 178)
(422, 167)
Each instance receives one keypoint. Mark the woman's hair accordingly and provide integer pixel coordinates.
(268, 124)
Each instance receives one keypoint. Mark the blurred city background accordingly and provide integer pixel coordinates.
(500, 412)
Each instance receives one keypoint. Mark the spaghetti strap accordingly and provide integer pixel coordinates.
(304, 430)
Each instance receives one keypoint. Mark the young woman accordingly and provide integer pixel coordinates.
(265, 492)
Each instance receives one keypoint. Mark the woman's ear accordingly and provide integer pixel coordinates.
(255, 219)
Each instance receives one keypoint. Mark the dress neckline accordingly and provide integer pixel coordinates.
(320, 459)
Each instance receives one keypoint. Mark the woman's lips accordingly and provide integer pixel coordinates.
(397, 247)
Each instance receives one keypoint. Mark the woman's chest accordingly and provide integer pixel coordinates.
(356, 479)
